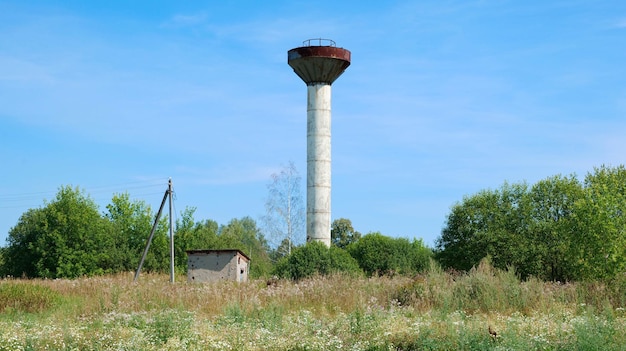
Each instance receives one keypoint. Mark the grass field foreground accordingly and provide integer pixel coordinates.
(485, 309)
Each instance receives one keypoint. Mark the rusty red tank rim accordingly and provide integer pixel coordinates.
(320, 51)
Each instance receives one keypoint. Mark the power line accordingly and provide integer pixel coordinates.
(22, 200)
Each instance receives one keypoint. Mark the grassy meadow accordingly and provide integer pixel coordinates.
(485, 309)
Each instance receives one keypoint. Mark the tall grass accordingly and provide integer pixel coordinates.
(16, 297)
(436, 310)
(485, 289)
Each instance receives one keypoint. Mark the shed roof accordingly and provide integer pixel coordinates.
(195, 252)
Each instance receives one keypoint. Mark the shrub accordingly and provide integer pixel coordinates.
(315, 258)
(379, 254)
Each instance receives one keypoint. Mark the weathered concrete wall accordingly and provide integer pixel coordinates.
(215, 265)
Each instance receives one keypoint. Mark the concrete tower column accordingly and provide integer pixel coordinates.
(318, 163)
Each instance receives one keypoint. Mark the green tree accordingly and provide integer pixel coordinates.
(243, 234)
(192, 235)
(131, 222)
(507, 238)
(551, 218)
(342, 233)
(464, 240)
(491, 223)
(76, 241)
(599, 234)
(66, 238)
(20, 255)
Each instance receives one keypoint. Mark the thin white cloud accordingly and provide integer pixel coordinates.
(186, 20)
(22, 71)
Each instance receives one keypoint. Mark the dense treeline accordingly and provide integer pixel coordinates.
(68, 237)
(558, 229)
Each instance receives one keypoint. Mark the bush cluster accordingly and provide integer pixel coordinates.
(374, 254)
(381, 255)
(313, 259)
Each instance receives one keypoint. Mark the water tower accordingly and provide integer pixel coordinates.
(318, 62)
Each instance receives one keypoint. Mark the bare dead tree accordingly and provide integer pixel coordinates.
(285, 217)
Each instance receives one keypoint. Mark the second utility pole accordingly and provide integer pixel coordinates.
(169, 189)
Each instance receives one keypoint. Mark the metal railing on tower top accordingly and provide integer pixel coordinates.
(319, 41)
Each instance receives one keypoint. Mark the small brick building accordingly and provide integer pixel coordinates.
(215, 265)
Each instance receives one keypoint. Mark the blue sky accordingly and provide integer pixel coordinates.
(443, 99)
